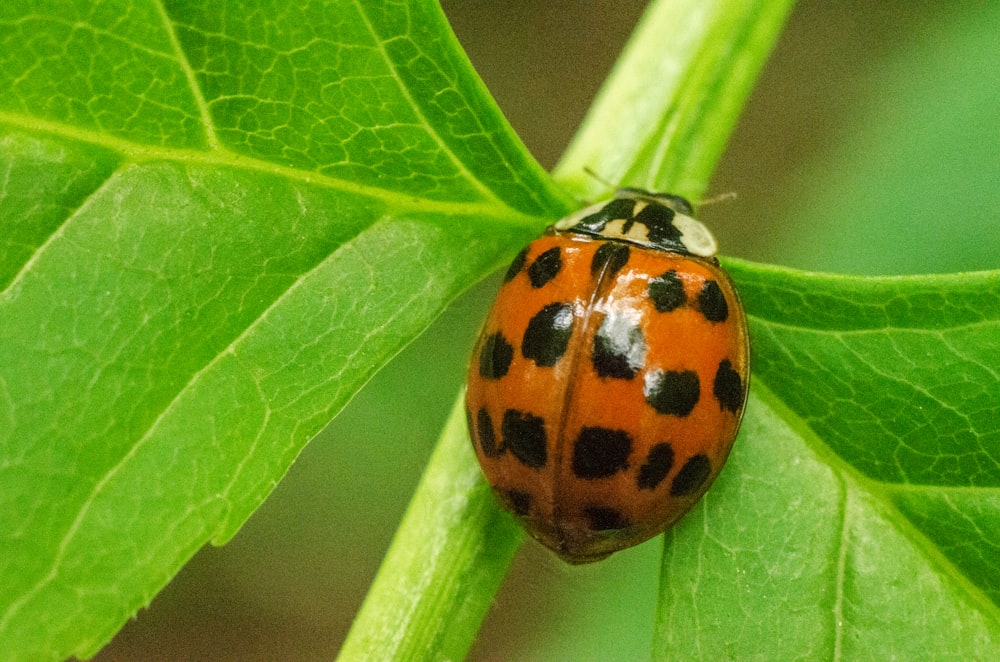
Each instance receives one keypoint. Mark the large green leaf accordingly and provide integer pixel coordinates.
(217, 223)
(862, 520)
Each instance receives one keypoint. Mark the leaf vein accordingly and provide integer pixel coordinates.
(206, 119)
(405, 92)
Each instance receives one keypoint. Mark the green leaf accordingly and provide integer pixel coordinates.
(860, 521)
(897, 375)
(217, 224)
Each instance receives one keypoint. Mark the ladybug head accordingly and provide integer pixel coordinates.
(657, 220)
(677, 203)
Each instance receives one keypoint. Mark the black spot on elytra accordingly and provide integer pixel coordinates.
(545, 267)
(524, 436)
(667, 292)
(672, 393)
(518, 501)
(601, 452)
(619, 347)
(516, 266)
(658, 464)
(602, 518)
(547, 336)
(712, 302)
(692, 476)
(487, 437)
(495, 356)
(609, 258)
(728, 387)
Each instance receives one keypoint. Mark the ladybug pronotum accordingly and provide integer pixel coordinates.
(610, 377)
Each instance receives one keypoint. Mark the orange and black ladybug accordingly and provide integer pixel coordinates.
(608, 383)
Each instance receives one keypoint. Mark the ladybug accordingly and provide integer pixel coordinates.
(610, 377)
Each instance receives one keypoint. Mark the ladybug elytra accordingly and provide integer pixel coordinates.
(610, 377)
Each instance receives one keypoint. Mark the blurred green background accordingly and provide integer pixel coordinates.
(871, 145)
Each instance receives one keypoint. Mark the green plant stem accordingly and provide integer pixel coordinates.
(446, 562)
(663, 117)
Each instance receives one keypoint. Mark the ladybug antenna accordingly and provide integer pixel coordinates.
(722, 197)
(593, 173)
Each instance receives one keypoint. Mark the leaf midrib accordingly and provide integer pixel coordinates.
(138, 153)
